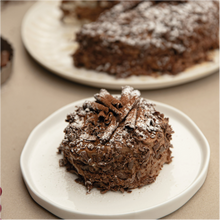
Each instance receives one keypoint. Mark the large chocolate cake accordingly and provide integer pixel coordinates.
(149, 37)
(116, 143)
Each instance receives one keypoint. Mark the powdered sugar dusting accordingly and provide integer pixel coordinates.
(116, 150)
(161, 25)
(89, 129)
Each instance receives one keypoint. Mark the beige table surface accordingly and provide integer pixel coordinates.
(33, 93)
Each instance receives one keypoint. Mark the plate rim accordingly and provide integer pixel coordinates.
(116, 84)
(51, 206)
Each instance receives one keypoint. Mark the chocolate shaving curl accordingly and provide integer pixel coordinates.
(129, 98)
(121, 108)
(131, 119)
(109, 118)
(140, 118)
(109, 131)
(109, 101)
(102, 115)
(95, 106)
(127, 108)
(127, 93)
(93, 119)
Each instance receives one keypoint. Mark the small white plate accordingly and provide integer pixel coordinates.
(51, 43)
(55, 189)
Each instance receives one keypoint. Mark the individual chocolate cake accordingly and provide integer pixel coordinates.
(6, 60)
(149, 37)
(116, 143)
(84, 10)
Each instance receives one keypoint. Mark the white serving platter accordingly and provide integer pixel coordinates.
(51, 43)
(55, 189)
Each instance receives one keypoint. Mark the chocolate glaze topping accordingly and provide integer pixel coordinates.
(116, 143)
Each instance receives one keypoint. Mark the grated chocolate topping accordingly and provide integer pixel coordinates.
(149, 23)
(112, 119)
(116, 142)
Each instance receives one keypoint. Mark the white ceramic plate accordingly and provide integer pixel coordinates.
(51, 43)
(55, 189)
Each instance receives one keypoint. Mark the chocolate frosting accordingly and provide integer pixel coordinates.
(116, 143)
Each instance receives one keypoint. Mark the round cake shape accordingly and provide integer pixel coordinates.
(116, 143)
